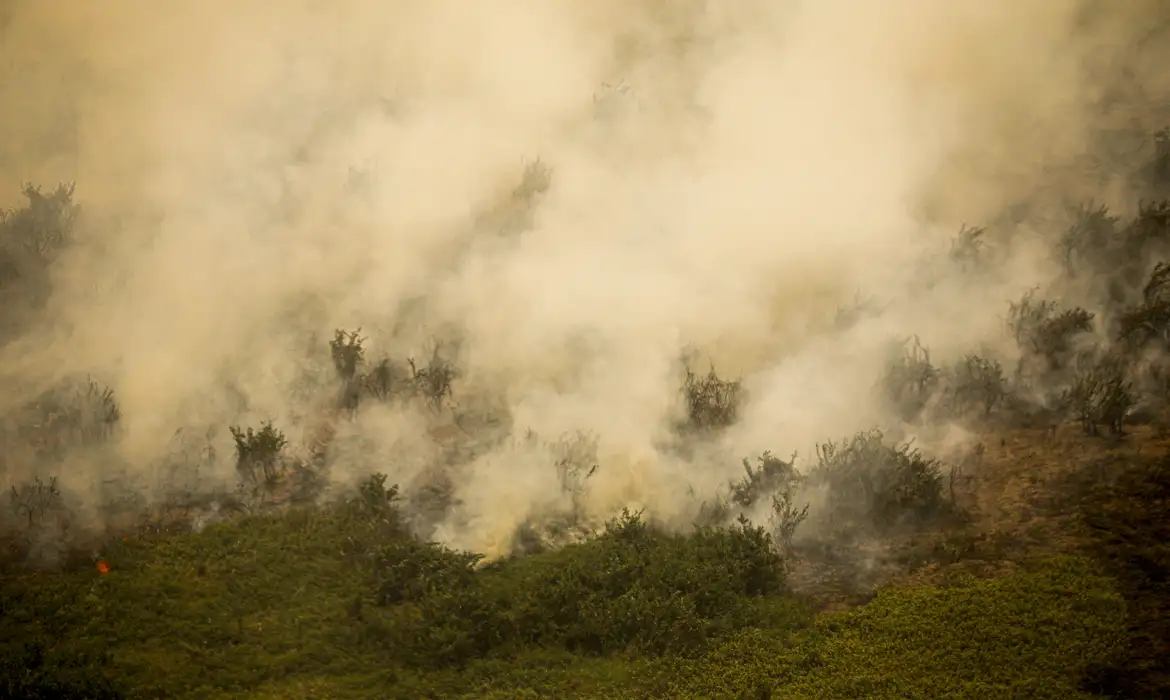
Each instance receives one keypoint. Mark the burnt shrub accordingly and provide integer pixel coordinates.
(712, 403)
(910, 380)
(874, 486)
(1101, 394)
(974, 387)
(1046, 333)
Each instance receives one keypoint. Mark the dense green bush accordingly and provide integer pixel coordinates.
(32, 673)
(632, 588)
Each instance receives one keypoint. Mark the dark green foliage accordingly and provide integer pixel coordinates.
(409, 570)
(1129, 523)
(872, 485)
(33, 673)
(376, 502)
(712, 403)
(910, 380)
(258, 453)
(630, 588)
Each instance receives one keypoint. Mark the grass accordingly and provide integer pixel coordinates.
(265, 608)
(1129, 521)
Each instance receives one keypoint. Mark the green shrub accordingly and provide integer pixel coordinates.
(409, 570)
(1029, 635)
(32, 673)
(631, 588)
(258, 453)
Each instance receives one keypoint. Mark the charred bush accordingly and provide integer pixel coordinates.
(347, 350)
(1090, 239)
(1149, 321)
(1046, 333)
(1101, 394)
(968, 249)
(712, 403)
(35, 500)
(910, 380)
(433, 381)
(974, 386)
(872, 485)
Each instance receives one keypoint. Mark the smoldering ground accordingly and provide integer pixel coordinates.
(574, 191)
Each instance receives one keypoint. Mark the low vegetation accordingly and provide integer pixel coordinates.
(293, 582)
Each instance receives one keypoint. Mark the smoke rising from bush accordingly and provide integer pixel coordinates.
(570, 194)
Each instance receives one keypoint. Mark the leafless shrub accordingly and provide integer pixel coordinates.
(70, 415)
(770, 475)
(433, 381)
(712, 403)
(968, 249)
(1157, 170)
(1045, 332)
(859, 308)
(1092, 234)
(387, 380)
(348, 353)
(34, 500)
(870, 484)
(974, 385)
(785, 518)
(1148, 232)
(1149, 321)
(1100, 393)
(910, 380)
(535, 181)
(576, 463)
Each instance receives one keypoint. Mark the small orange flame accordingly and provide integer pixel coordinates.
(103, 566)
